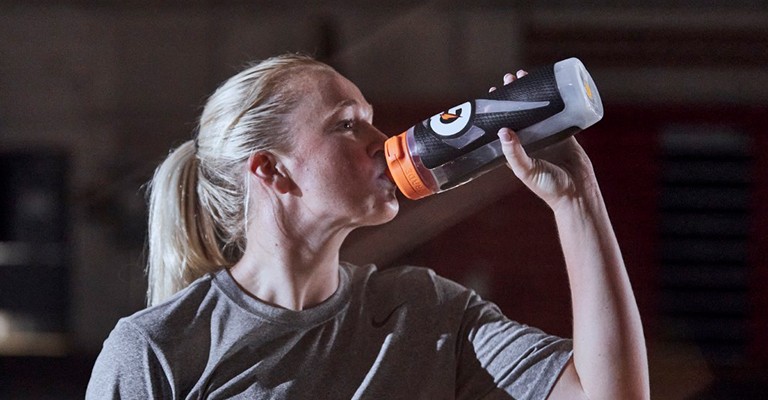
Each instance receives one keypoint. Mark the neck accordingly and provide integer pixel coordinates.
(293, 271)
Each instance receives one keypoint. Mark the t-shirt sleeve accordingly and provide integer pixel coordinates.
(127, 368)
(500, 358)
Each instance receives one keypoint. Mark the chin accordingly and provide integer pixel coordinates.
(383, 212)
(393, 206)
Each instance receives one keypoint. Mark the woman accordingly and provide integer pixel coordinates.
(249, 298)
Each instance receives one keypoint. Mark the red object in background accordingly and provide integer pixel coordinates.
(758, 256)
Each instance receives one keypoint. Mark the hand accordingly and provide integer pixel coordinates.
(558, 172)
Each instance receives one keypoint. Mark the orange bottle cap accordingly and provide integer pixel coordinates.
(402, 169)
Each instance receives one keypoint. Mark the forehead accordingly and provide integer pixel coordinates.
(326, 90)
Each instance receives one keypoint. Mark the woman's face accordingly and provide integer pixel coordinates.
(337, 160)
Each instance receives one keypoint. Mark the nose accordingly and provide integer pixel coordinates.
(377, 139)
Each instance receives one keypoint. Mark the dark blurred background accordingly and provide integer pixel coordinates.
(93, 94)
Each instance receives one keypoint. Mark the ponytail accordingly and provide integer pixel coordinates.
(198, 197)
(182, 236)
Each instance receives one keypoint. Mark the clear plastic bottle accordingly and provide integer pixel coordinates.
(453, 147)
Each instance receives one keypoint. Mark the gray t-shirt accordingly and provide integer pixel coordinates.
(400, 333)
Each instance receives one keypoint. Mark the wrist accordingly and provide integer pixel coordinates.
(584, 200)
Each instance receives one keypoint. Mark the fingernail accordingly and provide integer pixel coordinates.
(520, 73)
(504, 135)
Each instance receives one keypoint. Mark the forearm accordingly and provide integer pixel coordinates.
(609, 347)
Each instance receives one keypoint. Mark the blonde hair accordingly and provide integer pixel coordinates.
(197, 197)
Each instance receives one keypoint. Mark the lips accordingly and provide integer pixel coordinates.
(385, 177)
(381, 169)
(382, 172)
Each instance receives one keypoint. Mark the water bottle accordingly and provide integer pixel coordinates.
(457, 145)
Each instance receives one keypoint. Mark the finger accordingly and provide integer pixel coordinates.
(510, 77)
(516, 156)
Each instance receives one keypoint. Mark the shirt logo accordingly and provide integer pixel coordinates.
(378, 323)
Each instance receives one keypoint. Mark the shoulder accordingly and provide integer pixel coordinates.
(127, 366)
(190, 305)
(126, 336)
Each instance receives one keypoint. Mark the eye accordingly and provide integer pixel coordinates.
(347, 125)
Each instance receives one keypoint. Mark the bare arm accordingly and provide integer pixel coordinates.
(609, 360)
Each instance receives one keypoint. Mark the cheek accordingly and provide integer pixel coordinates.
(333, 169)
(345, 166)
(326, 176)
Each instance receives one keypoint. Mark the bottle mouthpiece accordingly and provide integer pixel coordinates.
(402, 169)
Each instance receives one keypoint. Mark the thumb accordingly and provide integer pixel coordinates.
(517, 158)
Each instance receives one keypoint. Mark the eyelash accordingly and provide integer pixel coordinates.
(347, 125)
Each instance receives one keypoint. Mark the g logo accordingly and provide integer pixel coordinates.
(452, 122)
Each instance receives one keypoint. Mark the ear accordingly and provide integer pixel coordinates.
(265, 167)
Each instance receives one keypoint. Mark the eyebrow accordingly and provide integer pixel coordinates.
(351, 103)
